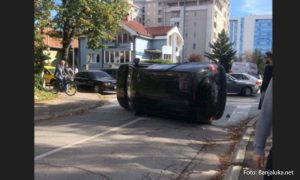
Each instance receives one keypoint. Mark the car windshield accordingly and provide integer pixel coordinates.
(250, 77)
(231, 77)
(101, 74)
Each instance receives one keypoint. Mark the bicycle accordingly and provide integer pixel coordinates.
(70, 87)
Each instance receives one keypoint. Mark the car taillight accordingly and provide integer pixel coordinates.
(212, 67)
(258, 83)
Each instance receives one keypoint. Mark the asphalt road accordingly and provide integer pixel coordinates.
(110, 143)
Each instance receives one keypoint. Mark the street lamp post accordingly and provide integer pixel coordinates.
(73, 60)
(73, 49)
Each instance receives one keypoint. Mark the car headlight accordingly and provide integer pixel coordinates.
(107, 84)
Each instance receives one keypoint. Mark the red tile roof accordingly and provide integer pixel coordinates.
(137, 27)
(56, 42)
(159, 31)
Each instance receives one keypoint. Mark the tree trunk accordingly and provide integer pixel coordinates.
(65, 51)
(68, 35)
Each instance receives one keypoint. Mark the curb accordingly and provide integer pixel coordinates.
(66, 113)
(239, 153)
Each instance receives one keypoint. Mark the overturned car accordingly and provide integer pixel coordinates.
(193, 90)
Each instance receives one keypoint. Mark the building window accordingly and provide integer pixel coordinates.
(125, 38)
(159, 20)
(194, 46)
(106, 56)
(98, 58)
(117, 57)
(111, 56)
(120, 38)
(159, 11)
(127, 57)
(122, 57)
(215, 24)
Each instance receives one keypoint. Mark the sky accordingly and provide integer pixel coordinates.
(241, 8)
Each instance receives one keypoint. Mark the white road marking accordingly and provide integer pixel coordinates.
(240, 112)
(86, 139)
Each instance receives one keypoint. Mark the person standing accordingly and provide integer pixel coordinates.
(268, 74)
(263, 131)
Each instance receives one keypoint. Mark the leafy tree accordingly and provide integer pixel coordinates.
(222, 51)
(95, 19)
(42, 13)
(258, 59)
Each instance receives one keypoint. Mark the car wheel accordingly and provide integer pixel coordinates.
(97, 88)
(247, 91)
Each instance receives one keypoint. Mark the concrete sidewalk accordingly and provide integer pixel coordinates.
(241, 159)
(66, 105)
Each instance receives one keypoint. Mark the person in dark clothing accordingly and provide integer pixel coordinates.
(268, 73)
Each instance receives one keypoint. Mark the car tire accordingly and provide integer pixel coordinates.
(246, 91)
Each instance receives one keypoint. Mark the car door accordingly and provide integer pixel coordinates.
(232, 85)
(89, 79)
(81, 78)
(244, 77)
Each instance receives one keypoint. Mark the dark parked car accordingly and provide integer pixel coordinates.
(243, 87)
(100, 81)
(194, 90)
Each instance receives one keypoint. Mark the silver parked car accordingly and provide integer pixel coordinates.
(242, 87)
(245, 76)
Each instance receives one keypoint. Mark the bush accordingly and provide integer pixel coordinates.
(38, 82)
(159, 61)
(196, 58)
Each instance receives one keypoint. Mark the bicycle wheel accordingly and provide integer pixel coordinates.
(71, 88)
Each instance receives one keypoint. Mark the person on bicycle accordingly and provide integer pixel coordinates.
(69, 71)
(60, 73)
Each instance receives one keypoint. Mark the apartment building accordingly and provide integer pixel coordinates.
(250, 33)
(199, 21)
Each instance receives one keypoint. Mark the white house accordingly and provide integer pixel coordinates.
(133, 41)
